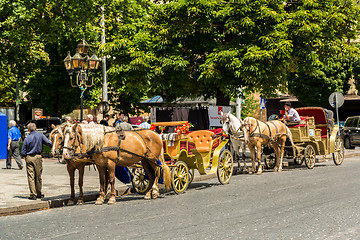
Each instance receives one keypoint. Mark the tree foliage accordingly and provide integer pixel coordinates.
(177, 48)
(321, 33)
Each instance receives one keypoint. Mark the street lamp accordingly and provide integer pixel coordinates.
(83, 66)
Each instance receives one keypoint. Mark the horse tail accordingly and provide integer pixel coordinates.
(166, 170)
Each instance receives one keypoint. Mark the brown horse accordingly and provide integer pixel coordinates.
(107, 149)
(57, 138)
(273, 133)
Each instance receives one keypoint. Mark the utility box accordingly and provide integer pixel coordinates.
(3, 136)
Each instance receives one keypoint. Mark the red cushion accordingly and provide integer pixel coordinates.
(299, 125)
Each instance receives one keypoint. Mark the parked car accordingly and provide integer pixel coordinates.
(43, 125)
(350, 133)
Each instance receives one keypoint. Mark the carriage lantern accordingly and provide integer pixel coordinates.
(82, 65)
(94, 62)
(67, 62)
(83, 47)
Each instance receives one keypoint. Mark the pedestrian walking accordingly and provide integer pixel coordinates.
(13, 145)
(105, 121)
(145, 123)
(125, 125)
(31, 150)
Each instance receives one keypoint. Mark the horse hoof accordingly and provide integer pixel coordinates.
(279, 170)
(155, 194)
(259, 173)
(99, 201)
(112, 201)
(70, 202)
(147, 196)
(80, 202)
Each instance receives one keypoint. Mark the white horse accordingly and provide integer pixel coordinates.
(232, 125)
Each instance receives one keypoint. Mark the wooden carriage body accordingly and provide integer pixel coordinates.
(202, 150)
(315, 135)
(316, 130)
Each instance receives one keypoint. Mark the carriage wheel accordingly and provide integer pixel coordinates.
(140, 182)
(191, 175)
(338, 155)
(298, 160)
(225, 167)
(309, 156)
(270, 161)
(180, 177)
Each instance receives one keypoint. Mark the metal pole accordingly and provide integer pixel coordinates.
(238, 105)
(104, 85)
(81, 107)
(17, 101)
(337, 112)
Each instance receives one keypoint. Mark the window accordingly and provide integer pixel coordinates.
(356, 122)
(349, 122)
(41, 124)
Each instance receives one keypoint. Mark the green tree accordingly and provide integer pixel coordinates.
(313, 88)
(21, 48)
(63, 24)
(213, 48)
(130, 57)
(321, 33)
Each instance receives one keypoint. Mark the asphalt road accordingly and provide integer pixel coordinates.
(322, 203)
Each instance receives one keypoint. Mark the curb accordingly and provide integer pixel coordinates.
(44, 205)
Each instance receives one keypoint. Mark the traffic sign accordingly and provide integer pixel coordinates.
(262, 103)
(336, 99)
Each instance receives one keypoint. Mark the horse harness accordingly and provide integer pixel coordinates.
(121, 136)
(270, 138)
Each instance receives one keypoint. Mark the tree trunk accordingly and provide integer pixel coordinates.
(221, 99)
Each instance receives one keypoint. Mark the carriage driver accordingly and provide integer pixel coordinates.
(291, 116)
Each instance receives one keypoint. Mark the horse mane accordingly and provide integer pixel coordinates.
(58, 128)
(93, 135)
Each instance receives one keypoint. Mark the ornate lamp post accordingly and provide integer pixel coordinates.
(83, 66)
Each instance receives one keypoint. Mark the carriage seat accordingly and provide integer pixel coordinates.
(202, 139)
(303, 123)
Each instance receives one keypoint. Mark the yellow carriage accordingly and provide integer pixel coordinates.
(315, 135)
(201, 150)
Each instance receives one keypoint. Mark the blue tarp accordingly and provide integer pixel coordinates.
(123, 174)
(3, 136)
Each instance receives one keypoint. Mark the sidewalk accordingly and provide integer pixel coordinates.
(14, 190)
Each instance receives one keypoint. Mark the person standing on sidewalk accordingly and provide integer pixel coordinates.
(13, 145)
(31, 150)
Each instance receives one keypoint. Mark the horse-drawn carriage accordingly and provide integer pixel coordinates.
(315, 135)
(203, 150)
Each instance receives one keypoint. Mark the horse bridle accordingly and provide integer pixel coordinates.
(230, 129)
(74, 147)
(58, 132)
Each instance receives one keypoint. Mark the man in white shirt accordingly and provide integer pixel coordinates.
(90, 119)
(291, 116)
